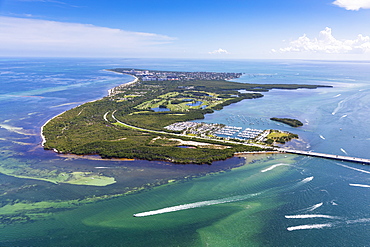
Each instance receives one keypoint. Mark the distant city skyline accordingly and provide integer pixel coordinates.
(236, 29)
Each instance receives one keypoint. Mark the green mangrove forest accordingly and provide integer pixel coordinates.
(289, 121)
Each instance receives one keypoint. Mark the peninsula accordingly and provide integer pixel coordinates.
(141, 119)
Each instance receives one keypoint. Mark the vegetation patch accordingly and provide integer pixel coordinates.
(277, 136)
(288, 121)
(55, 176)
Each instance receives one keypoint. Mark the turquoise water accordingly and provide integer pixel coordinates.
(276, 200)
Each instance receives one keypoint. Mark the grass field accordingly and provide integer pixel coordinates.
(175, 102)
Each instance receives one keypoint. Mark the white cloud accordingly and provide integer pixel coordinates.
(219, 51)
(22, 36)
(353, 4)
(326, 43)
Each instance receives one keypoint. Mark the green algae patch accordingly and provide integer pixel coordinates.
(54, 176)
(89, 178)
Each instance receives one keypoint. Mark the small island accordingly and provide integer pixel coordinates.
(289, 121)
(141, 119)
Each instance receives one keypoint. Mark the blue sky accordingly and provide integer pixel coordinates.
(235, 29)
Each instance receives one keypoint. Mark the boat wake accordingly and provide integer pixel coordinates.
(310, 216)
(312, 208)
(360, 185)
(356, 169)
(340, 105)
(303, 181)
(274, 166)
(363, 220)
(306, 180)
(328, 225)
(196, 205)
(305, 227)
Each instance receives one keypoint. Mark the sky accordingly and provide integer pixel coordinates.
(194, 29)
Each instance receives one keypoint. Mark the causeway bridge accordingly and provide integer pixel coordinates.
(326, 156)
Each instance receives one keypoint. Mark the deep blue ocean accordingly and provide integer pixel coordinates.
(261, 200)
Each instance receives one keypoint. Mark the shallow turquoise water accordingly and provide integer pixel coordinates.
(281, 200)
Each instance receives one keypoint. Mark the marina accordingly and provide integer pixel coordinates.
(219, 130)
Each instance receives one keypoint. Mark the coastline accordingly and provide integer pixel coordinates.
(42, 128)
(111, 92)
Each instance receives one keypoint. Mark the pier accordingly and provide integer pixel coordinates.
(327, 156)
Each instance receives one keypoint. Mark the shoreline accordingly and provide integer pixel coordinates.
(91, 157)
(110, 93)
(42, 128)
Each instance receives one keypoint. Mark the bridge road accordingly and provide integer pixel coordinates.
(327, 156)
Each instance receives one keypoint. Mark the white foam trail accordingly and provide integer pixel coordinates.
(315, 206)
(274, 166)
(360, 185)
(364, 220)
(337, 95)
(356, 169)
(338, 107)
(345, 115)
(305, 227)
(311, 208)
(303, 181)
(322, 137)
(195, 205)
(344, 151)
(310, 216)
(306, 180)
